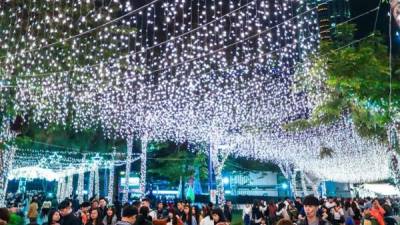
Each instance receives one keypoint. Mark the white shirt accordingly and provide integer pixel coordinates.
(207, 221)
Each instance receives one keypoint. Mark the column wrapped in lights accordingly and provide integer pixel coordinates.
(218, 157)
(110, 193)
(303, 183)
(59, 189)
(143, 166)
(96, 182)
(81, 180)
(70, 185)
(129, 146)
(294, 184)
(91, 183)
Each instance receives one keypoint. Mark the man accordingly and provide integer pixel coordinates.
(180, 211)
(330, 204)
(83, 212)
(228, 211)
(129, 214)
(67, 217)
(311, 205)
(162, 212)
(152, 213)
(102, 207)
(298, 204)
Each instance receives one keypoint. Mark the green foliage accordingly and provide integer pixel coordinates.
(356, 82)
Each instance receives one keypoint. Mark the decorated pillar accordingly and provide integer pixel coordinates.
(143, 166)
(218, 158)
(91, 184)
(129, 146)
(96, 181)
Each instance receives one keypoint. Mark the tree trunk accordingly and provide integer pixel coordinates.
(125, 196)
(143, 167)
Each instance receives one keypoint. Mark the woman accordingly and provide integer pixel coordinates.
(173, 219)
(247, 214)
(196, 213)
(282, 211)
(377, 212)
(218, 217)
(110, 218)
(33, 211)
(187, 217)
(338, 215)
(95, 218)
(206, 218)
(348, 211)
(271, 212)
(53, 218)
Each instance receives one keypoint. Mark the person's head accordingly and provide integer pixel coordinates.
(53, 217)
(311, 204)
(218, 215)
(85, 207)
(4, 215)
(160, 206)
(229, 203)
(102, 202)
(263, 222)
(172, 217)
(179, 205)
(65, 208)
(94, 214)
(298, 199)
(110, 211)
(284, 222)
(146, 202)
(186, 209)
(129, 214)
(95, 204)
(375, 203)
(144, 210)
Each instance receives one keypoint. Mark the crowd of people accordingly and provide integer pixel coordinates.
(307, 211)
(334, 211)
(99, 212)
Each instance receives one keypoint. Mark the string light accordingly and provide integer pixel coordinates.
(143, 167)
(125, 196)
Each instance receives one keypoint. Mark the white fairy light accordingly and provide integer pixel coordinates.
(91, 183)
(143, 167)
(125, 196)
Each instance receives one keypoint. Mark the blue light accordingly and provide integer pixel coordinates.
(226, 180)
(285, 186)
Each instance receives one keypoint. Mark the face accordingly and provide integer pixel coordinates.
(170, 215)
(146, 203)
(311, 210)
(229, 204)
(65, 211)
(186, 209)
(180, 206)
(95, 205)
(56, 217)
(109, 212)
(94, 214)
(160, 205)
(193, 210)
(85, 209)
(102, 203)
(215, 217)
(375, 204)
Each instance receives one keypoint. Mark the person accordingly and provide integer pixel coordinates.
(33, 210)
(179, 206)
(282, 211)
(67, 217)
(15, 215)
(348, 211)
(298, 204)
(311, 205)
(338, 215)
(110, 218)
(94, 204)
(161, 212)
(46, 206)
(173, 218)
(188, 218)
(256, 213)
(247, 214)
(129, 214)
(95, 217)
(53, 218)
(196, 213)
(144, 218)
(377, 212)
(218, 217)
(102, 207)
(206, 216)
(4, 216)
(83, 212)
(357, 212)
(152, 213)
(228, 211)
(271, 212)
(284, 222)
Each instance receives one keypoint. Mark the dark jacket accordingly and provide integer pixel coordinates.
(321, 222)
(70, 219)
(228, 213)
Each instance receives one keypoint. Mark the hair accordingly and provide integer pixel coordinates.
(50, 216)
(187, 218)
(144, 210)
(347, 205)
(4, 214)
(129, 211)
(220, 213)
(206, 211)
(284, 222)
(98, 220)
(197, 213)
(173, 220)
(64, 204)
(109, 218)
(85, 204)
